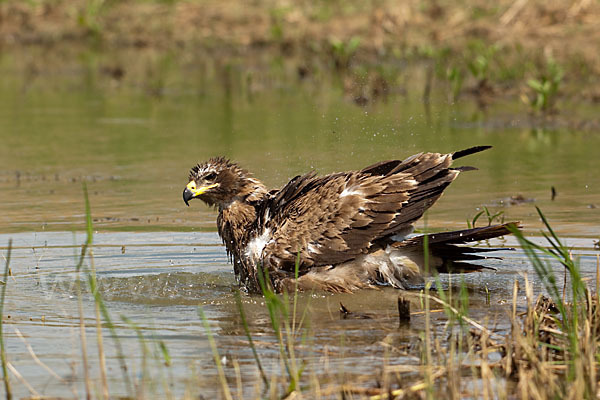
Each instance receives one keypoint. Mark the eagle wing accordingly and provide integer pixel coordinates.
(335, 218)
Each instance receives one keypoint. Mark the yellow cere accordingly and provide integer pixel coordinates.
(197, 192)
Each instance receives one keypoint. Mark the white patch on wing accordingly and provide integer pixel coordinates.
(350, 191)
(402, 234)
(256, 245)
(313, 248)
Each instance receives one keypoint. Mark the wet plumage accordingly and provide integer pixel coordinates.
(348, 230)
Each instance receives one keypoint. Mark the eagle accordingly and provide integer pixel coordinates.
(339, 232)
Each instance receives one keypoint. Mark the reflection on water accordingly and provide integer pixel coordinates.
(135, 150)
(158, 260)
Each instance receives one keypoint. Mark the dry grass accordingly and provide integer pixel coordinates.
(561, 29)
(551, 350)
(537, 361)
(486, 50)
(380, 23)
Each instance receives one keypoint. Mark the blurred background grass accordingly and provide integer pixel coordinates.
(533, 51)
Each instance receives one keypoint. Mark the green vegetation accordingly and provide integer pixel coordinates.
(282, 316)
(90, 16)
(489, 50)
(479, 57)
(546, 354)
(100, 308)
(546, 87)
(213, 346)
(6, 379)
(569, 339)
(277, 19)
(455, 77)
(552, 350)
(371, 49)
(499, 216)
(343, 51)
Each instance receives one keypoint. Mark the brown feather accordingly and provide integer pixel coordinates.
(338, 224)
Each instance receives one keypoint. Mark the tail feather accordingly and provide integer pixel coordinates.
(456, 258)
(462, 236)
(453, 252)
(471, 150)
(457, 267)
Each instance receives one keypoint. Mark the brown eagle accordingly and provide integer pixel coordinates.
(346, 230)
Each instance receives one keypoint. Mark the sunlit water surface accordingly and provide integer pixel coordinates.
(157, 261)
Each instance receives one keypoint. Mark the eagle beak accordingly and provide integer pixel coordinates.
(191, 191)
(187, 196)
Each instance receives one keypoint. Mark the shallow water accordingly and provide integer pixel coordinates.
(157, 260)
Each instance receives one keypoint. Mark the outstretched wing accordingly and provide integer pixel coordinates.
(335, 218)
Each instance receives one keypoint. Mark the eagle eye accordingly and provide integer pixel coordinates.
(210, 176)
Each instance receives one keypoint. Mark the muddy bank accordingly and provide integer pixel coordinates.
(541, 55)
(564, 29)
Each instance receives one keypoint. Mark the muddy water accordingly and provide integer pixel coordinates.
(157, 260)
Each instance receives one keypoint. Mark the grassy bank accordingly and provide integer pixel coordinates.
(536, 52)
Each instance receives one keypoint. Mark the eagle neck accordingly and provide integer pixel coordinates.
(236, 223)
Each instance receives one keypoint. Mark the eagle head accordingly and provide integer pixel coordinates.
(216, 181)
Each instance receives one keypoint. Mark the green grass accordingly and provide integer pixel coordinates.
(344, 50)
(7, 387)
(282, 320)
(546, 354)
(217, 358)
(497, 217)
(576, 315)
(545, 87)
(100, 306)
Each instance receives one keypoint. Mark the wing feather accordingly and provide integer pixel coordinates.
(334, 218)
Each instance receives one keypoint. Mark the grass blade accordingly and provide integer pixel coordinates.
(238, 299)
(7, 387)
(99, 302)
(215, 352)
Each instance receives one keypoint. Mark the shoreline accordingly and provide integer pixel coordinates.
(540, 55)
